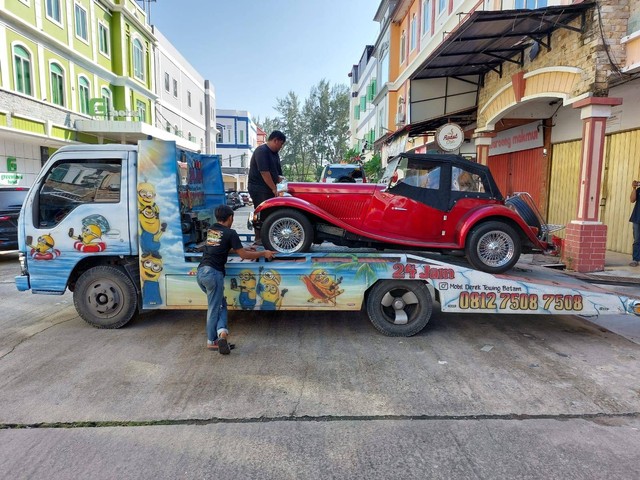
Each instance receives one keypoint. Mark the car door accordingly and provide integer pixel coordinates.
(415, 201)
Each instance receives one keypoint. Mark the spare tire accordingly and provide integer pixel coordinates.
(525, 211)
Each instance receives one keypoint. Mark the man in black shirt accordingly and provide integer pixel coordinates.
(265, 171)
(221, 239)
(635, 223)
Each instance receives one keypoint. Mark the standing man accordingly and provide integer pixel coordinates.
(265, 171)
(221, 239)
(635, 223)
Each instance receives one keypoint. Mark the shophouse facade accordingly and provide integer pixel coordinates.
(362, 124)
(73, 71)
(236, 139)
(544, 97)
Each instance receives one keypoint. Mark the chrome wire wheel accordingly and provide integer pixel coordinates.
(287, 235)
(495, 248)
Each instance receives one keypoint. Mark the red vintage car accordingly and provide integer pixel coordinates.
(424, 202)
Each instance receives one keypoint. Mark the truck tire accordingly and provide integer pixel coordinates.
(399, 308)
(287, 231)
(493, 247)
(105, 297)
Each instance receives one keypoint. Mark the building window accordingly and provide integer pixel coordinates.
(138, 60)
(241, 135)
(442, 6)
(167, 82)
(83, 94)
(168, 127)
(175, 88)
(413, 41)
(175, 130)
(22, 69)
(426, 16)
(103, 39)
(403, 46)
(531, 4)
(189, 98)
(105, 93)
(57, 84)
(201, 108)
(53, 10)
(219, 137)
(81, 22)
(141, 108)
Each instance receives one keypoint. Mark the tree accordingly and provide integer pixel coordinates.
(316, 130)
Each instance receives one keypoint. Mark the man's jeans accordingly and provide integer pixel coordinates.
(636, 242)
(211, 281)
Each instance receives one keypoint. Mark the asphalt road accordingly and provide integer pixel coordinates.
(312, 395)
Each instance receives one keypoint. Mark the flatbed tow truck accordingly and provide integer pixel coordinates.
(120, 226)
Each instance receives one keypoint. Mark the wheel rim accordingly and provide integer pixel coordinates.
(105, 298)
(496, 248)
(399, 306)
(287, 235)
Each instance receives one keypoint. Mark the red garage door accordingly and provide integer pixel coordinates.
(524, 171)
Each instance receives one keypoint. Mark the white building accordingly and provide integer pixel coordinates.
(186, 101)
(235, 142)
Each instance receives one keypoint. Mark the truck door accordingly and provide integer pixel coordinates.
(79, 208)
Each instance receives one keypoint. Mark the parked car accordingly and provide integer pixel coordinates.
(425, 202)
(11, 199)
(233, 199)
(246, 198)
(343, 173)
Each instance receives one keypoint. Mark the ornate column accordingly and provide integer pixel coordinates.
(586, 237)
(483, 142)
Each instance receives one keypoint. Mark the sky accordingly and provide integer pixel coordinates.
(256, 51)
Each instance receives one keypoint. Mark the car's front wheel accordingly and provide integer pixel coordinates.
(287, 231)
(493, 247)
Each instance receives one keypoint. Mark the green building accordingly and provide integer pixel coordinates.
(73, 71)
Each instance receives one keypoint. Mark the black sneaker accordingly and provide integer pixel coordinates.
(223, 346)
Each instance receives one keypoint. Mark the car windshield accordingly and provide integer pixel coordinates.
(336, 172)
(12, 199)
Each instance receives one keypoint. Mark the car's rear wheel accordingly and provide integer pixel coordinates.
(493, 247)
(287, 231)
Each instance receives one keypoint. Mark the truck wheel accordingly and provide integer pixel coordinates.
(493, 247)
(287, 231)
(105, 297)
(399, 308)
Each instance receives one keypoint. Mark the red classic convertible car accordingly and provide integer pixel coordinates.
(425, 202)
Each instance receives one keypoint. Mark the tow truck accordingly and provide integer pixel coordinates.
(121, 227)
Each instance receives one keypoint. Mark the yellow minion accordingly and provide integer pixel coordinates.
(269, 290)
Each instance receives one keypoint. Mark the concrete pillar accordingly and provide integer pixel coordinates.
(483, 142)
(586, 237)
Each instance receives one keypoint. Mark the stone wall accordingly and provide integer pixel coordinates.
(583, 50)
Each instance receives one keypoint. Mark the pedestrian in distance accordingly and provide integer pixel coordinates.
(221, 239)
(635, 223)
(265, 171)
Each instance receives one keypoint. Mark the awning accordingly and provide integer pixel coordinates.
(487, 39)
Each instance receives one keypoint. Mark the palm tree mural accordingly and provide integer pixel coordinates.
(365, 267)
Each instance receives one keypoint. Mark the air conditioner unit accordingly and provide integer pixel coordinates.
(399, 118)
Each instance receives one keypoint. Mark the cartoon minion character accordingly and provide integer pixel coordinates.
(150, 269)
(322, 287)
(269, 290)
(43, 249)
(89, 234)
(149, 218)
(247, 287)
